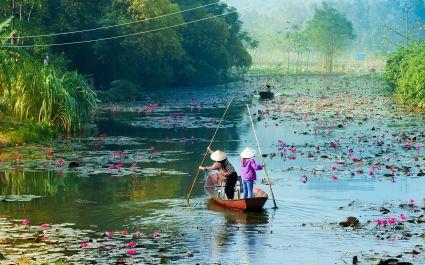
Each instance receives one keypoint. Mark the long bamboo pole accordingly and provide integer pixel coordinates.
(261, 155)
(206, 152)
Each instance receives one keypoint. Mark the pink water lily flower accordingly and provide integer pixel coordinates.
(45, 225)
(402, 218)
(334, 177)
(110, 234)
(411, 202)
(1, 161)
(392, 220)
(155, 234)
(26, 222)
(124, 232)
(132, 244)
(84, 244)
(131, 252)
(138, 234)
(134, 165)
(119, 166)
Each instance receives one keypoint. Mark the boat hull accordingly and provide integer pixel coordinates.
(266, 94)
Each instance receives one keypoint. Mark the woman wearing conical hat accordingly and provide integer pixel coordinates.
(225, 169)
(248, 174)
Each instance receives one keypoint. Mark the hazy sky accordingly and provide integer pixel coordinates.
(266, 18)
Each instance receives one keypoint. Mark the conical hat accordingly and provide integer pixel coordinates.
(248, 153)
(218, 156)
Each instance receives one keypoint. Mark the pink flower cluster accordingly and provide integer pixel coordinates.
(389, 221)
(150, 107)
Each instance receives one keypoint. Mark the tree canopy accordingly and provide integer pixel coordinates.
(201, 52)
(330, 33)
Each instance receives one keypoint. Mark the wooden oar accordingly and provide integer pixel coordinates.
(261, 155)
(206, 152)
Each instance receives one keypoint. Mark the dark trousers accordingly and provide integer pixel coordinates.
(230, 185)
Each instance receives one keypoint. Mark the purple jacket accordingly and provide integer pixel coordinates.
(248, 170)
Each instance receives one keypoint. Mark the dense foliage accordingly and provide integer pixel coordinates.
(42, 93)
(39, 83)
(330, 33)
(405, 71)
(40, 96)
(201, 52)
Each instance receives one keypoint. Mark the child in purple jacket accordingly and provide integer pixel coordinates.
(248, 168)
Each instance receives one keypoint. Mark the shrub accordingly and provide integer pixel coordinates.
(44, 94)
(405, 71)
(28, 132)
(121, 90)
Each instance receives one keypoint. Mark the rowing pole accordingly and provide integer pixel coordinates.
(206, 153)
(261, 155)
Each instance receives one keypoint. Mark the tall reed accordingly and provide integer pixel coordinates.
(34, 91)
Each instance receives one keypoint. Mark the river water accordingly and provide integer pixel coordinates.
(313, 123)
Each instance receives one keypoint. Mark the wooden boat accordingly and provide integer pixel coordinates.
(253, 204)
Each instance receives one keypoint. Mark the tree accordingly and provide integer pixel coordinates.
(330, 33)
(148, 59)
(409, 25)
(204, 51)
(213, 46)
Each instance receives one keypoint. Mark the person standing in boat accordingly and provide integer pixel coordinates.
(248, 174)
(225, 170)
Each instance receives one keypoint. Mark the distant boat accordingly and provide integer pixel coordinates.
(253, 204)
(266, 94)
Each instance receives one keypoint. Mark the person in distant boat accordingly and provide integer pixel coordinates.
(268, 88)
(225, 170)
(248, 174)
